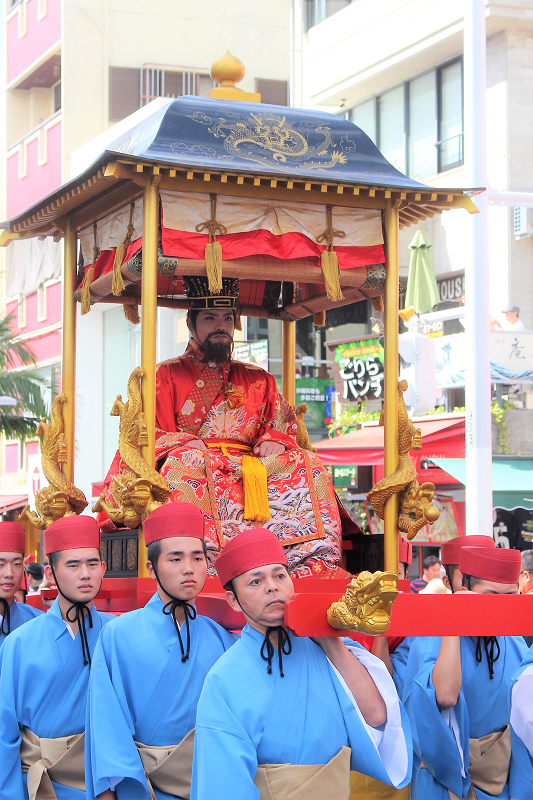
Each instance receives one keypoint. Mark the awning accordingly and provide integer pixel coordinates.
(9, 502)
(365, 446)
(512, 480)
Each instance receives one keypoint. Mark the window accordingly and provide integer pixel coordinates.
(273, 92)
(158, 81)
(450, 144)
(21, 312)
(256, 329)
(364, 116)
(422, 127)
(418, 126)
(57, 97)
(316, 11)
(124, 94)
(391, 130)
(41, 303)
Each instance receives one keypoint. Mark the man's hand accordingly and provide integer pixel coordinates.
(269, 449)
(194, 444)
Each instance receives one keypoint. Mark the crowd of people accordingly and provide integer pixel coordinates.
(163, 703)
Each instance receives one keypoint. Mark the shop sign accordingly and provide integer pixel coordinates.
(451, 289)
(252, 353)
(358, 369)
(314, 392)
(345, 475)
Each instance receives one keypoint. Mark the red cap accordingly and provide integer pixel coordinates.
(254, 548)
(174, 519)
(405, 551)
(450, 551)
(12, 538)
(71, 533)
(30, 558)
(491, 564)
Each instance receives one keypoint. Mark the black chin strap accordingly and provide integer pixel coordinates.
(5, 627)
(77, 613)
(284, 641)
(170, 609)
(490, 643)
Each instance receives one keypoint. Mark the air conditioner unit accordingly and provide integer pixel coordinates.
(523, 222)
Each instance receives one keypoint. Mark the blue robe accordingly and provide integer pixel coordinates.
(521, 778)
(43, 686)
(399, 663)
(247, 717)
(140, 690)
(483, 707)
(19, 614)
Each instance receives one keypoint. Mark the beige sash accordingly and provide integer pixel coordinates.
(168, 768)
(306, 781)
(490, 757)
(363, 787)
(46, 760)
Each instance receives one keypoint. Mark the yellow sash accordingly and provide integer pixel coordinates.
(46, 760)
(306, 781)
(168, 768)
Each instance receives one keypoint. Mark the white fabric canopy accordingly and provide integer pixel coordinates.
(183, 211)
(111, 230)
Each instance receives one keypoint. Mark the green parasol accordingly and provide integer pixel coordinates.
(422, 292)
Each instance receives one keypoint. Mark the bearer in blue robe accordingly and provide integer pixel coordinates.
(149, 668)
(44, 673)
(12, 546)
(281, 715)
(457, 693)
(521, 779)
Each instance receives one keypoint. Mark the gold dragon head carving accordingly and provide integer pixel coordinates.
(366, 604)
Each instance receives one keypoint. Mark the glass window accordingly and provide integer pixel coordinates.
(422, 127)
(392, 127)
(364, 116)
(450, 147)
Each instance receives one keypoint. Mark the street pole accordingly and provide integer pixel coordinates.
(478, 450)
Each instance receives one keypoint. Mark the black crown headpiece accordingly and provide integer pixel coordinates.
(199, 296)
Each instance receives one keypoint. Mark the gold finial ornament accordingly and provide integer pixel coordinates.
(228, 70)
(140, 489)
(366, 605)
(416, 501)
(61, 498)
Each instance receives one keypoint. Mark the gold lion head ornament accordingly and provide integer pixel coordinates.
(366, 604)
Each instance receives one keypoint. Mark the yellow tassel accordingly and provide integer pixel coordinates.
(319, 319)
(377, 303)
(86, 291)
(131, 313)
(118, 282)
(238, 321)
(254, 476)
(213, 265)
(330, 269)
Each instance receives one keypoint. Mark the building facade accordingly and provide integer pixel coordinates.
(74, 71)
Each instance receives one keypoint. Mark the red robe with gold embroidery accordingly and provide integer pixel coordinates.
(241, 404)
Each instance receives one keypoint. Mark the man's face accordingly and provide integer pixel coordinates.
(262, 594)
(181, 567)
(217, 325)
(491, 587)
(402, 571)
(79, 573)
(457, 578)
(432, 572)
(525, 582)
(11, 570)
(511, 316)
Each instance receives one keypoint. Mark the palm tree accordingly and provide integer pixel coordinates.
(24, 387)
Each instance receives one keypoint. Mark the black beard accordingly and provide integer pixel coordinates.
(219, 352)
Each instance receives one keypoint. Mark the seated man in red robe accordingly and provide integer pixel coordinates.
(225, 440)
